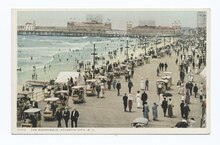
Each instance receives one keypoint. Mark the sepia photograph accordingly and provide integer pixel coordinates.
(110, 71)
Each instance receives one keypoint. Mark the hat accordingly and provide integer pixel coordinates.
(184, 120)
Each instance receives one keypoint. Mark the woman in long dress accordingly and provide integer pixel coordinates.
(154, 111)
(130, 102)
(161, 98)
(170, 108)
(138, 99)
(187, 96)
(182, 92)
(146, 111)
(142, 84)
(102, 91)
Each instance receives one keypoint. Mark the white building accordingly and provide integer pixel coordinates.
(147, 23)
(94, 18)
(29, 26)
(201, 22)
(129, 27)
(201, 19)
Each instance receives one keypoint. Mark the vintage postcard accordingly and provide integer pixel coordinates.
(110, 71)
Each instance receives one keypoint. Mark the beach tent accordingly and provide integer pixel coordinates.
(204, 72)
(63, 77)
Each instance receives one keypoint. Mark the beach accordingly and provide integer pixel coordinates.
(62, 57)
(102, 112)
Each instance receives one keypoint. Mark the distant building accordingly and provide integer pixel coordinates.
(154, 31)
(88, 27)
(201, 21)
(188, 31)
(29, 26)
(147, 23)
(94, 18)
(129, 27)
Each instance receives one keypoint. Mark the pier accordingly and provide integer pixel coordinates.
(68, 33)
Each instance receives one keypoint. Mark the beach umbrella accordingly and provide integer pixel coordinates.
(61, 91)
(167, 94)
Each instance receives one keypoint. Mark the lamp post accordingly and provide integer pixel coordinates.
(145, 47)
(127, 49)
(140, 41)
(164, 39)
(94, 54)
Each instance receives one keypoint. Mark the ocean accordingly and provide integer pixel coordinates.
(61, 53)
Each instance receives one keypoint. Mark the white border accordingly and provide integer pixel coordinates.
(115, 131)
(5, 63)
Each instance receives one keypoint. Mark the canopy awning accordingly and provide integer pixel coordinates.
(63, 77)
(32, 110)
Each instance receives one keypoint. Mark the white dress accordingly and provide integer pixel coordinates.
(161, 98)
(142, 84)
(138, 99)
(102, 91)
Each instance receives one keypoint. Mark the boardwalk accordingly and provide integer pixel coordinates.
(108, 111)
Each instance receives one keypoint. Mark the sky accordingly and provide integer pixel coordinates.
(118, 18)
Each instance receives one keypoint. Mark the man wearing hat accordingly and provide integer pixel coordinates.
(186, 111)
(66, 116)
(118, 86)
(59, 117)
(98, 89)
(74, 117)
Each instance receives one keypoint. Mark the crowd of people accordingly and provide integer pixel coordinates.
(189, 66)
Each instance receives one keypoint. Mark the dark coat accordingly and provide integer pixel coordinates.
(146, 82)
(59, 115)
(66, 114)
(130, 84)
(98, 88)
(74, 116)
(125, 99)
(182, 106)
(144, 97)
(164, 104)
(190, 85)
(166, 65)
(118, 86)
(195, 89)
(182, 74)
(35, 105)
(186, 109)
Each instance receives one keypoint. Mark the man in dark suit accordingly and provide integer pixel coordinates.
(130, 85)
(59, 117)
(125, 101)
(164, 106)
(182, 76)
(74, 117)
(66, 116)
(186, 111)
(144, 98)
(182, 104)
(33, 118)
(195, 90)
(98, 90)
(118, 86)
